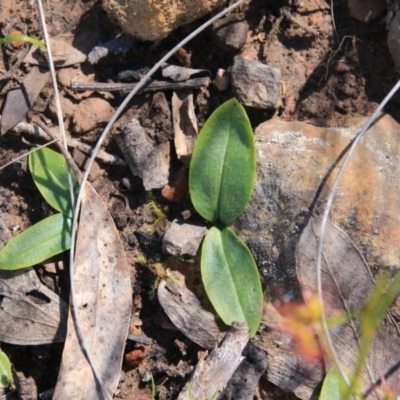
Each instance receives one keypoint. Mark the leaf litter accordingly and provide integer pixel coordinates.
(347, 284)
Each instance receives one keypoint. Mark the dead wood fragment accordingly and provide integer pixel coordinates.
(151, 86)
(212, 374)
(185, 124)
(186, 313)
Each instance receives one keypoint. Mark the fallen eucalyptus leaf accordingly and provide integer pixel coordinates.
(347, 286)
(231, 278)
(50, 174)
(39, 242)
(223, 165)
(30, 313)
(20, 99)
(103, 299)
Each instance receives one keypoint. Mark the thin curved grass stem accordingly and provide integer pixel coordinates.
(328, 207)
(78, 202)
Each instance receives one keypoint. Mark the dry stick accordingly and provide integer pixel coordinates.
(325, 220)
(152, 85)
(96, 149)
(37, 132)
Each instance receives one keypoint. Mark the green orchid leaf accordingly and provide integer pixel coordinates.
(333, 386)
(5, 371)
(41, 241)
(231, 278)
(223, 166)
(49, 172)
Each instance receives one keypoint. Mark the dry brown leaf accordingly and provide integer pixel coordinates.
(347, 284)
(64, 54)
(20, 99)
(30, 313)
(103, 299)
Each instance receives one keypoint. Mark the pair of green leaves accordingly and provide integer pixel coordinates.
(50, 236)
(221, 181)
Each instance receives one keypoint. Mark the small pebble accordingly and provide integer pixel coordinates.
(230, 33)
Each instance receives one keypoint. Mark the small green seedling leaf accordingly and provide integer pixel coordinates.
(23, 38)
(49, 172)
(5, 371)
(223, 166)
(41, 241)
(333, 386)
(231, 278)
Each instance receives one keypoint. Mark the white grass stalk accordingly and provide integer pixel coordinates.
(117, 113)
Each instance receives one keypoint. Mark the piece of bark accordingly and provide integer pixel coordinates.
(212, 374)
(185, 124)
(245, 380)
(20, 99)
(186, 313)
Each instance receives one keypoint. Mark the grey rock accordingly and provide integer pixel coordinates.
(230, 33)
(366, 10)
(183, 238)
(394, 40)
(296, 166)
(151, 163)
(255, 84)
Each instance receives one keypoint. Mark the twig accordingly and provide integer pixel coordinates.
(36, 131)
(100, 141)
(286, 13)
(151, 86)
(325, 220)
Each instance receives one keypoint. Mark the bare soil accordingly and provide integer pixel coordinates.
(334, 69)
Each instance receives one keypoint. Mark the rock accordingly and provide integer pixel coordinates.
(151, 163)
(183, 238)
(158, 119)
(230, 33)
(297, 164)
(394, 40)
(255, 84)
(221, 81)
(366, 10)
(150, 20)
(91, 113)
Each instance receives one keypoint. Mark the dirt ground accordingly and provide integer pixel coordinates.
(334, 69)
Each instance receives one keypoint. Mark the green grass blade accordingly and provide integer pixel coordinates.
(23, 38)
(223, 166)
(38, 243)
(49, 172)
(231, 278)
